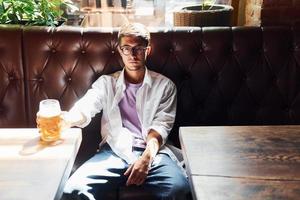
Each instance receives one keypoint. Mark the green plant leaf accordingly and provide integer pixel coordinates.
(37, 12)
(207, 4)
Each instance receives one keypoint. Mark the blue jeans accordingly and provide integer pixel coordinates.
(101, 176)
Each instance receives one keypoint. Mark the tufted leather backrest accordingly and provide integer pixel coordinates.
(224, 76)
(12, 92)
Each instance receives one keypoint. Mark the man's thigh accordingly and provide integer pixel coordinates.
(167, 178)
(99, 177)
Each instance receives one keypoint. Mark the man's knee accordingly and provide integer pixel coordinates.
(170, 190)
(178, 189)
(74, 196)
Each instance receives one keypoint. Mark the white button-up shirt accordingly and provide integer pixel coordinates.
(155, 105)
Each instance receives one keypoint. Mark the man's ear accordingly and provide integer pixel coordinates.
(148, 50)
(119, 49)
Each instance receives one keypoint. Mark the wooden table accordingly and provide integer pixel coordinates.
(31, 169)
(243, 162)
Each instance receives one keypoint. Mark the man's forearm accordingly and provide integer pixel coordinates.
(154, 142)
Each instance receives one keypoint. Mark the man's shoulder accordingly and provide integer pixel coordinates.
(158, 77)
(114, 75)
(107, 79)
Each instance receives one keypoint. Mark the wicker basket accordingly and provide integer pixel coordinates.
(216, 15)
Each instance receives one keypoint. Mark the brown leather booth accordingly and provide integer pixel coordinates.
(224, 76)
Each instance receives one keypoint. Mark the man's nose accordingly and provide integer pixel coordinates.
(133, 52)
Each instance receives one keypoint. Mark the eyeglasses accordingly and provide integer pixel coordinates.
(137, 50)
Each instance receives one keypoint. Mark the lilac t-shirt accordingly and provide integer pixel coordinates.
(129, 115)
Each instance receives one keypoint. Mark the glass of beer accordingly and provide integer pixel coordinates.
(49, 120)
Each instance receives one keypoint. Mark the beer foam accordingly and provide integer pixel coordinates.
(49, 108)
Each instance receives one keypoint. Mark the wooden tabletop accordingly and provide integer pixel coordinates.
(243, 162)
(31, 169)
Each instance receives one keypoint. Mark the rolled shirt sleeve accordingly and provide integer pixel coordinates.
(165, 115)
(91, 103)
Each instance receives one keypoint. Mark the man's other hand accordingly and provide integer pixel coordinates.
(138, 171)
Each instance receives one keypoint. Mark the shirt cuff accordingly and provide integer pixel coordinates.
(161, 131)
(78, 118)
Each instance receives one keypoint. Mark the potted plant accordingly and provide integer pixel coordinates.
(34, 12)
(206, 13)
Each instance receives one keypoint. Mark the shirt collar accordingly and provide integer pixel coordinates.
(121, 80)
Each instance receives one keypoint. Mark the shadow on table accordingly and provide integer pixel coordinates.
(36, 144)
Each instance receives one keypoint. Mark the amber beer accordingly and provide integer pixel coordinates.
(49, 120)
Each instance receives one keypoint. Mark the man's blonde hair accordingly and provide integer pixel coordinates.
(136, 30)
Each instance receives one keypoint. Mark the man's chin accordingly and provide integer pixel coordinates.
(135, 67)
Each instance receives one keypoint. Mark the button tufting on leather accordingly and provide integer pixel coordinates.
(113, 52)
(53, 50)
(287, 109)
(83, 51)
(40, 79)
(69, 79)
(11, 78)
(171, 50)
(274, 80)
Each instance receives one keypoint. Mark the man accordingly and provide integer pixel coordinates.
(139, 108)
